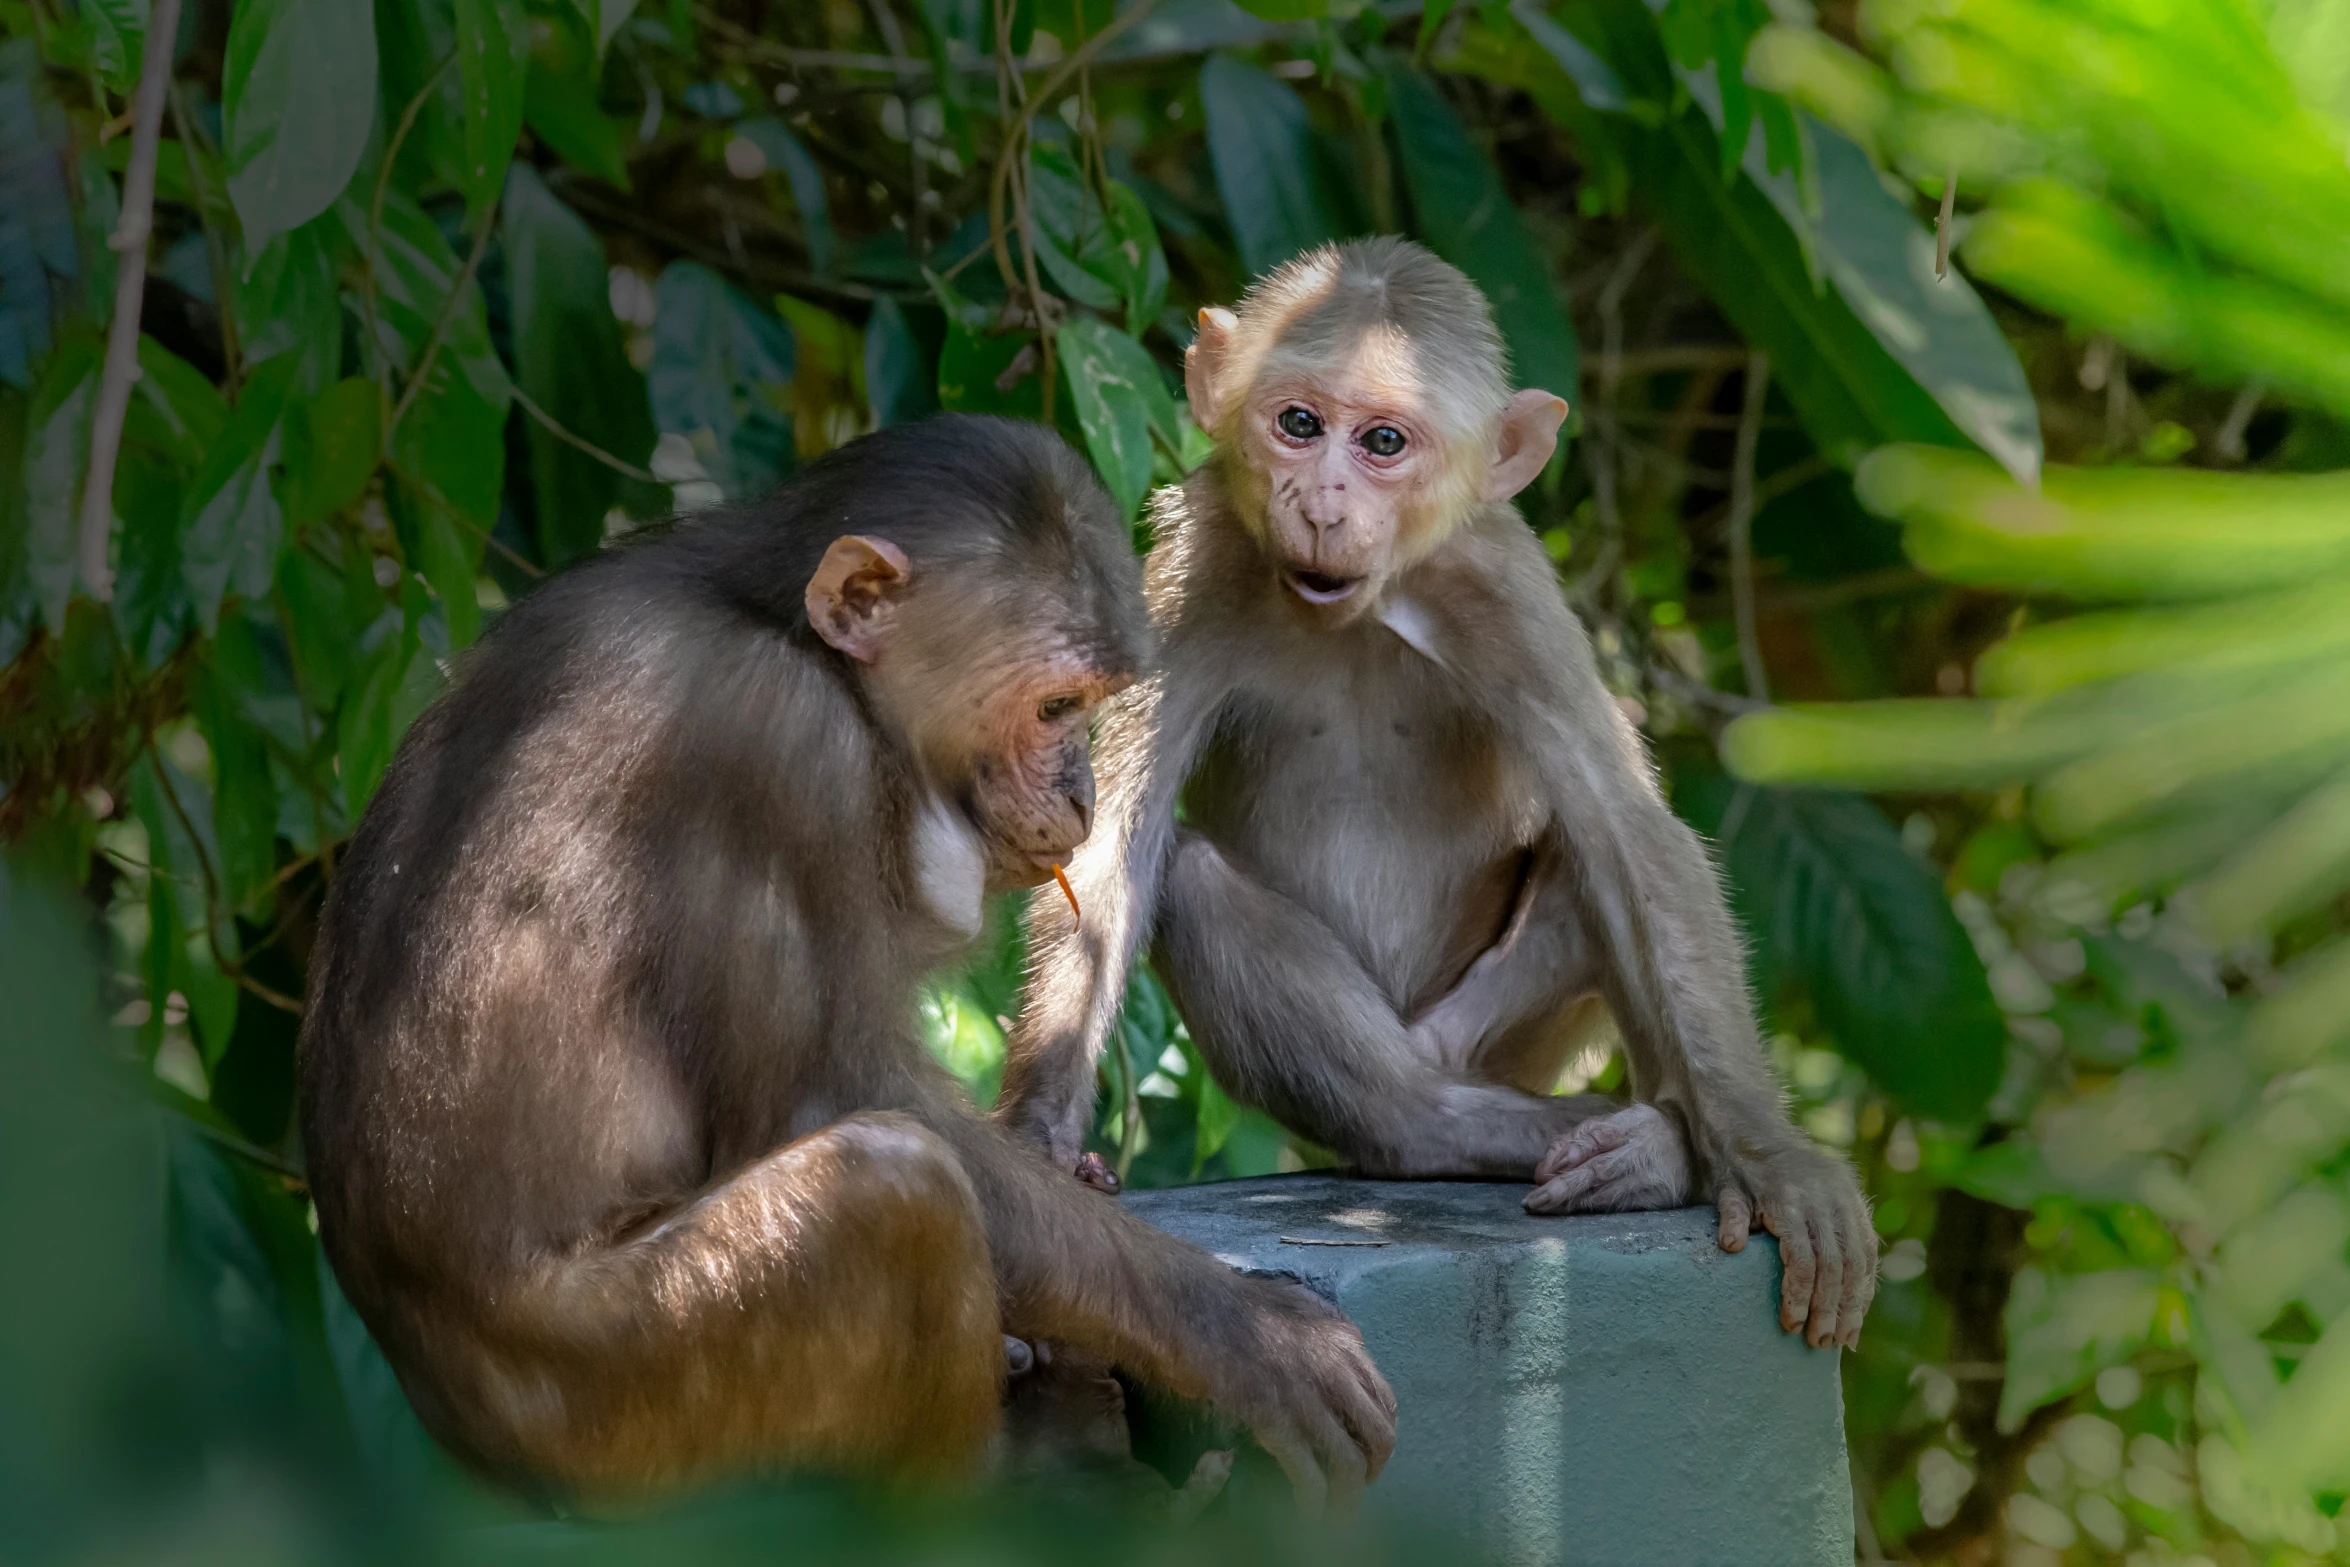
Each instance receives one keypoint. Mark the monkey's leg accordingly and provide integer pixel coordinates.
(1289, 1021)
(830, 1306)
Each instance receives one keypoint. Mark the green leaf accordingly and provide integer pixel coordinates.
(2064, 1329)
(118, 36)
(1286, 10)
(561, 110)
(1278, 195)
(898, 383)
(1881, 260)
(244, 800)
(1465, 216)
(1838, 907)
(438, 548)
(1070, 235)
(331, 445)
(493, 59)
(59, 423)
(230, 523)
(369, 725)
(720, 367)
(571, 362)
(288, 301)
(1115, 388)
(297, 104)
(604, 19)
(415, 269)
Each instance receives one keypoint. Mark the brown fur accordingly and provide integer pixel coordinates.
(1421, 843)
(623, 1140)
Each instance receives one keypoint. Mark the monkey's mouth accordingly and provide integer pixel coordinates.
(1317, 587)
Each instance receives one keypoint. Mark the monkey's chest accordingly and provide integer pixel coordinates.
(1401, 824)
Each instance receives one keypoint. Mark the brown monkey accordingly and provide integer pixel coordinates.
(1419, 837)
(623, 1141)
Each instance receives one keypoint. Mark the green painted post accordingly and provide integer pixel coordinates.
(1593, 1390)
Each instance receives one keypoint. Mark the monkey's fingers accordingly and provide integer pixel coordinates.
(1296, 1459)
(1588, 1140)
(1827, 1288)
(1796, 1263)
(1076, 914)
(1094, 1171)
(1737, 1218)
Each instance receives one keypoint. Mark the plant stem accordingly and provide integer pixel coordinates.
(1758, 388)
(130, 288)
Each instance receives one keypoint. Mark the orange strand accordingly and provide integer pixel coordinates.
(1070, 893)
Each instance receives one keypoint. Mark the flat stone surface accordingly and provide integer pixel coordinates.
(1603, 1389)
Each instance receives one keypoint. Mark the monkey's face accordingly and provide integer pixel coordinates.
(1028, 783)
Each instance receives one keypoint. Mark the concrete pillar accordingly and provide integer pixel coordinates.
(1592, 1390)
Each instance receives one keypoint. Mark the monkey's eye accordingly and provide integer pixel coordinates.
(1298, 424)
(1383, 440)
(1053, 709)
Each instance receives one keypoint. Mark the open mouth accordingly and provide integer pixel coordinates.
(1317, 587)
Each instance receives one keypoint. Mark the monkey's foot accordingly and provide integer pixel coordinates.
(1095, 1172)
(1632, 1159)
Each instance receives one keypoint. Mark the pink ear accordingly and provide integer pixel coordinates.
(853, 596)
(1529, 434)
(1203, 362)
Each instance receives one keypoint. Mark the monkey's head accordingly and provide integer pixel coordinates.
(1361, 409)
(987, 604)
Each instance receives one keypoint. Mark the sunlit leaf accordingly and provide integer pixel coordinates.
(2062, 1330)
(1118, 396)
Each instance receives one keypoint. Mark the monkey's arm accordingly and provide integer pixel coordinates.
(1073, 1269)
(1150, 736)
(1671, 967)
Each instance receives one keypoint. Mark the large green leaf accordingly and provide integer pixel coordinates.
(297, 102)
(1465, 216)
(1278, 196)
(1841, 911)
(493, 64)
(288, 299)
(570, 361)
(1118, 396)
(331, 447)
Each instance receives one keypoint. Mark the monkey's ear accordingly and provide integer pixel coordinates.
(1529, 434)
(853, 596)
(1203, 362)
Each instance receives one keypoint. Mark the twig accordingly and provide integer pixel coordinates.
(216, 899)
(555, 428)
(375, 224)
(1942, 222)
(441, 324)
(1758, 386)
(130, 287)
(1600, 451)
(1308, 1240)
(2230, 440)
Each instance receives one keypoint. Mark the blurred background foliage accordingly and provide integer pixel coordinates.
(1990, 635)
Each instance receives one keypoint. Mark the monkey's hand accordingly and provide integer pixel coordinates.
(1307, 1390)
(1827, 1246)
(1632, 1159)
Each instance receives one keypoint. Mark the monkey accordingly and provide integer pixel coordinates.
(623, 1140)
(1420, 844)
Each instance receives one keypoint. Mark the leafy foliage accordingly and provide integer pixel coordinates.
(443, 294)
